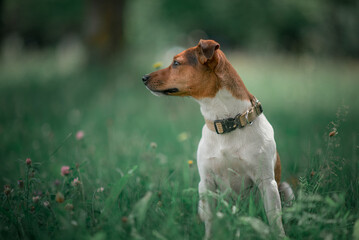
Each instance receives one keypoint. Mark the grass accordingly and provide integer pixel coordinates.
(133, 161)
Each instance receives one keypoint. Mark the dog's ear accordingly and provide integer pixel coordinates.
(207, 50)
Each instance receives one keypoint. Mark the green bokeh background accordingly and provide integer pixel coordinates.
(68, 66)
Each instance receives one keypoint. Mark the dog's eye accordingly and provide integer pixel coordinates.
(176, 63)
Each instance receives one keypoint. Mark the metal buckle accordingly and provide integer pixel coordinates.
(260, 108)
(246, 117)
(218, 131)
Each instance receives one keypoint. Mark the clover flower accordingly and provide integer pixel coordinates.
(46, 204)
(7, 189)
(69, 207)
(65, 170)
(59, 197)
(76, 182)
(153, 145)
(80, 135)
(35, 199)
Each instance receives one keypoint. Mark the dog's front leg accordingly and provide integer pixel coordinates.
(204, 206)
(272, 205)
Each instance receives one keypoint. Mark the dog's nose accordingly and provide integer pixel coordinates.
(145, 78)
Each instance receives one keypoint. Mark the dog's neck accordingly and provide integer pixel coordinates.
(232, 98)
(222, 106)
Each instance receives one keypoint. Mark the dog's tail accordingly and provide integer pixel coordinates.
(286, 194)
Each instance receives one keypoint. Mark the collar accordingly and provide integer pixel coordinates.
(239, 121)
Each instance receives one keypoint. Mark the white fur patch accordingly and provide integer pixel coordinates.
(157, 94)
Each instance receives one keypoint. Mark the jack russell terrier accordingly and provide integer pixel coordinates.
(237, 148)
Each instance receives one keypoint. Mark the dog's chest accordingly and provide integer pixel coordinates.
(238, 158)
(228, 162)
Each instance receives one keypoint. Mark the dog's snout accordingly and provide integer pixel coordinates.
(145, 78)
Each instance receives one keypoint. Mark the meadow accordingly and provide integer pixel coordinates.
(132, 156)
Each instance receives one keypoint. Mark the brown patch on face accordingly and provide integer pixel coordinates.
(187, 75)
(198, 72)
(191, 58)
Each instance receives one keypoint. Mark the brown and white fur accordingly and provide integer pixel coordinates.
(235, 160)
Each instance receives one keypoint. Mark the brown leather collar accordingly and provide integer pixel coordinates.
(239, 121)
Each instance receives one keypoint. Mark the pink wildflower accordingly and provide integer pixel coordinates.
(35, 199)
(65, 170)
(7, 189)
(46, 204)
(69, 207)
(28, 161)
(80, 135)
(76, 182)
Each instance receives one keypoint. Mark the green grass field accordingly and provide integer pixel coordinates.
(136, 181)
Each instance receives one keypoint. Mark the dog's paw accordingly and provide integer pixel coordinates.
(286, 194)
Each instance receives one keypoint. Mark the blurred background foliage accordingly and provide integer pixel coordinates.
(329, 28)
(76, 66)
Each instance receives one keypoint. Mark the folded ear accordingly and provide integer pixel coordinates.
(207, 49)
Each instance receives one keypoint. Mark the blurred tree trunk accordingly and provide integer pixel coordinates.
(104, 28)
(1, 21)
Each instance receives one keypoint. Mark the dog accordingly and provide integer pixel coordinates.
(237, 149)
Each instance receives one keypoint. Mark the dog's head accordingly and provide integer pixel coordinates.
(191, 73)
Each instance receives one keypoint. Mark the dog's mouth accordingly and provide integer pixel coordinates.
(168, 91)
